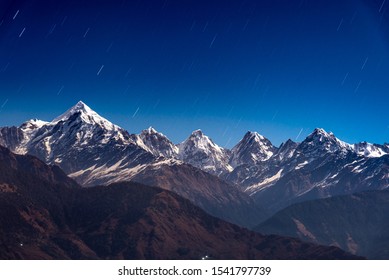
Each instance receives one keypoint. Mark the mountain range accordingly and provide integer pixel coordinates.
(93, 151)
(245, 185)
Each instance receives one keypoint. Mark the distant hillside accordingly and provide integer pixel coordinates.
(356, 223)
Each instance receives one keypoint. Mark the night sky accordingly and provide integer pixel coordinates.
(279, 67)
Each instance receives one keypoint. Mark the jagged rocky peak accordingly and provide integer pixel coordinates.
(199, 140)
(254, 138)
(196, 139)
(150, 130)
(158, 144)
(321, 135)
(32, 124)
(198, 134)
(253, 135)
(253, 148)
(370, 150)
(320, 140)
(286, 150)
(288, 143)
(200, 151)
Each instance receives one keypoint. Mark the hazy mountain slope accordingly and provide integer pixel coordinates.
(33, 217)
(206, 191)
(356, 223)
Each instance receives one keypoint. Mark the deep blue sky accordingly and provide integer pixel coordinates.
(279, 67)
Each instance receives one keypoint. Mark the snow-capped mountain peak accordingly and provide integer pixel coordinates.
(198, 141)
(253, 148)
(198, 134)
(150, 130)
(254, 135)
(200, 151)
(87, 115)
(320, 140)
(321, 135)
(324, 141)
(80, 107)
(78, 128)
(32, 125)
(27, 131)
(157, 143)
(286, 150)
(370, 150)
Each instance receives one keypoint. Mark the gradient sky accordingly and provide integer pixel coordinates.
(279, 67)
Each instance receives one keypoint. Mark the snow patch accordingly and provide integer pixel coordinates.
(369, 150)
(358, 169)
(301, 165)
(80, 172)
(271, 180)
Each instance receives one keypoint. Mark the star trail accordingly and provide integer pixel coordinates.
(278, 67)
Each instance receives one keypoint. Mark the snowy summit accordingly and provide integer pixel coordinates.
(87, 115)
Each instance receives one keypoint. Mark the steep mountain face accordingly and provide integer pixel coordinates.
(158, 144)
(251, 150)
(254, 177)
(285, 151)
(11, 137)
(16, 138)
(46, 215)
(356, 223)
(371, 150)
(28, 130)
(201, 152)
(320, 142)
